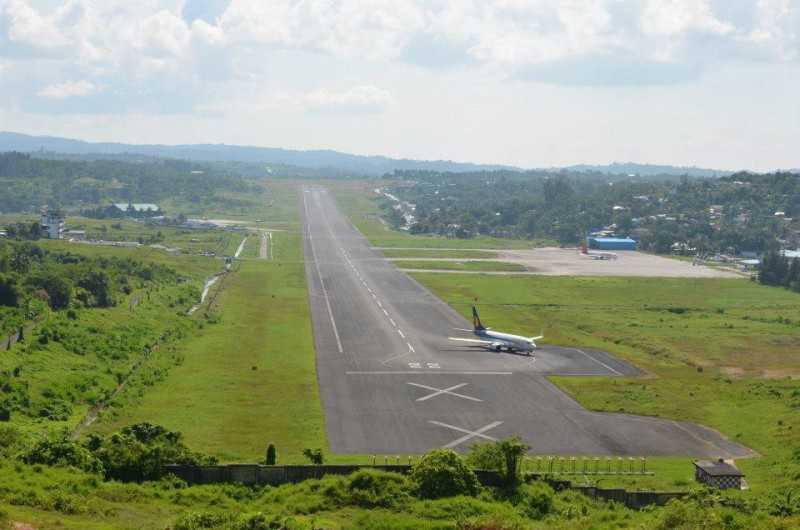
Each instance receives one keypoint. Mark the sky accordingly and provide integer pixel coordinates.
(532, 83)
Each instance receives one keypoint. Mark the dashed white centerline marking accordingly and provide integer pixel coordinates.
(385, 312)
(393, 322)
(400, 331)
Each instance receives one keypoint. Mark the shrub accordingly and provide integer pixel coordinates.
(314, 456)
(196, 521)
(139, 452)
(443, 473)
(536, 500)
(485, 456)
(370, 488)
(272, 455)
(9, 436)
(60, 450)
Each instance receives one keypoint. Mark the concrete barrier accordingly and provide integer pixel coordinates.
(260, 475)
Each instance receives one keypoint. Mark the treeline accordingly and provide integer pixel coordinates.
(29, 183)
(702, 214)
(779, 270)
(30, 274)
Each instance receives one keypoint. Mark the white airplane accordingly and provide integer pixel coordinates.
(498, 340)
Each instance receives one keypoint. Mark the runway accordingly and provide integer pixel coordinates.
(391, 382)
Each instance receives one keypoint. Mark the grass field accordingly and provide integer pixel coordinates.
(249, 378)
(718, 352)
(358, 202)
(461, 265)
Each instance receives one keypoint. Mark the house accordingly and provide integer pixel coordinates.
(52, 223)
(718, 474)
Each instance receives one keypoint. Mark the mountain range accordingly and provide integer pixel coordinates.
(334, 161)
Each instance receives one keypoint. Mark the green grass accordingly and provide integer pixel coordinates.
(216, 399)
(716, 351)
(461, 265)
(438, 253)
(359, 203)
(113, 338)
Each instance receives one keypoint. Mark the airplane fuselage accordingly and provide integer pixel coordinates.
(506, 340)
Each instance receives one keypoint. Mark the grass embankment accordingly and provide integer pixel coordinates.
(359, 202)
(499, 266)
(72, 359)
(248, 378)
(717, 352)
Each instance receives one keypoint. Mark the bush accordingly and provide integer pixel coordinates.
(60, 450)
(443, 473)
(9, 436)
(139, 452)
(196, 521)
(370, 488)
(314, 456)
(536, 500)
(272, 455)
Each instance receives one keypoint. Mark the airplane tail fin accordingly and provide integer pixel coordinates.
(476, 320)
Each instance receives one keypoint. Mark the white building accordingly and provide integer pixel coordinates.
(137, 207)
(52, 223)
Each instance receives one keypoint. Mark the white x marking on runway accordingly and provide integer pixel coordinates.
(469, 434)
(440, 391)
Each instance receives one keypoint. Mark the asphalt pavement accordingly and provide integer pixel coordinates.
(391, 382)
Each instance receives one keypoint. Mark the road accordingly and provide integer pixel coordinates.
(391, 382)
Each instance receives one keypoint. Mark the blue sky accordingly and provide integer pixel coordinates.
(527, 82)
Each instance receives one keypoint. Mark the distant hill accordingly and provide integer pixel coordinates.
(645, 170)
(319, 159)
(336, 162)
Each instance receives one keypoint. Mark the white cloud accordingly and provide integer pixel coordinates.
(69, 89)
(364, 98)
(150, 38)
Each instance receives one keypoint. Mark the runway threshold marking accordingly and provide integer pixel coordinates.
(443, 391)
(601, 363)
(321, 282)
(468, 435)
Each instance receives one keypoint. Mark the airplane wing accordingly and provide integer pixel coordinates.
(476, 341)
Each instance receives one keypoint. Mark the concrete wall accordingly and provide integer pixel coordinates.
(255, 474)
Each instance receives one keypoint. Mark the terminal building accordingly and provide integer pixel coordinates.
(610, 243)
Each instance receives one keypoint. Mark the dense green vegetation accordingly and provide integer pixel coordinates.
(88, 319)
(735, 213)
(117, 481)
(29, 183)
(779, 270)
(357, 201)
